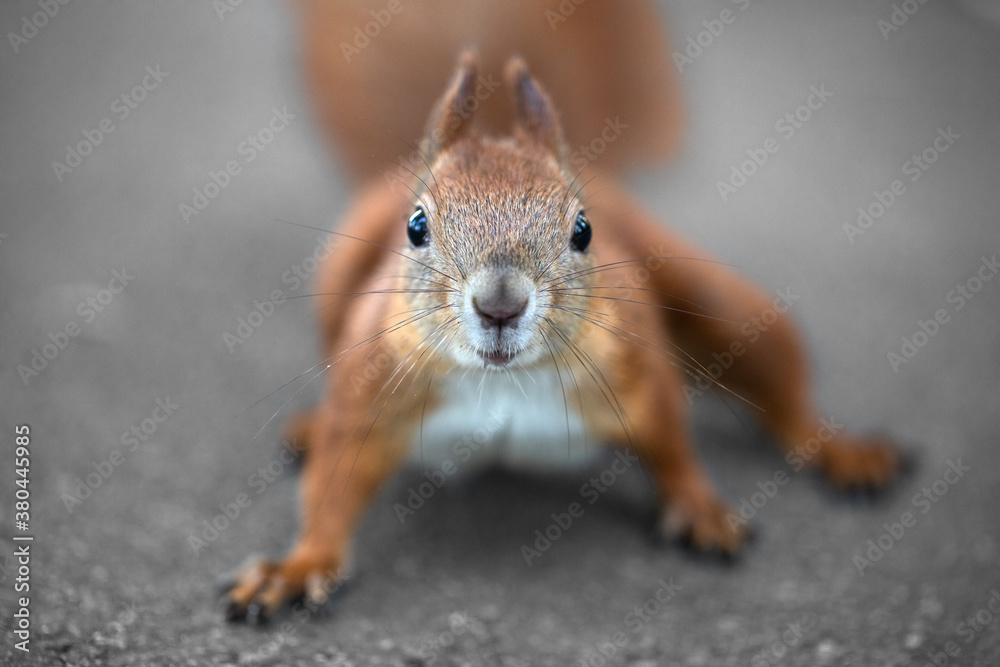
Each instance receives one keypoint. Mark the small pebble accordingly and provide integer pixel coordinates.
(826, 650)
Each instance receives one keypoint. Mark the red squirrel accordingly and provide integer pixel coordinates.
(493, 271)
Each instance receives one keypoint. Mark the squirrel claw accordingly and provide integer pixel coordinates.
(234, 611)
(256, 614)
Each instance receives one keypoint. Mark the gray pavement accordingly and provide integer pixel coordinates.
(150, 355)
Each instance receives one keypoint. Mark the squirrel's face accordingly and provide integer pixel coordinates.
(499, 238)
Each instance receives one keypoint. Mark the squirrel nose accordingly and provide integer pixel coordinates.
(500, 310)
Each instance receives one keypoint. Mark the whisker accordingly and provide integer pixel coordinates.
(423, 415)
(616, 406)
(569, 446)
(482, 384)
(569, 188)
(557, 280)
(581, 354)
(585, 200)
(415, 149)
(694, 367)
(353, 294)
(517, 383)
(423, 409)
(600, 171)
(377, 245)
(371, 426)
(572, 375)
(652, 305)
(422, 279)
(422, 182)
(289, 400)
(424, 357)
(572, 290)
(343, 450)
(330, 364)
(576, 194)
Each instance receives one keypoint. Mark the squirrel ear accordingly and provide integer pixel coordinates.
(451, 119)
(535, 116)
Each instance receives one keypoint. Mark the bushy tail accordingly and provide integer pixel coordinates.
(376, 67)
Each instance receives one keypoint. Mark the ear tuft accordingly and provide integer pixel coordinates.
(451, 118)
(535, 115)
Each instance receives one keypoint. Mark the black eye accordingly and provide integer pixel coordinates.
(581, 233)
(416, 228)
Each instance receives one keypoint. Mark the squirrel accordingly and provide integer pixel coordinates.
(497, 273)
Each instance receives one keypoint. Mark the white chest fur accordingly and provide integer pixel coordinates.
(519, 419)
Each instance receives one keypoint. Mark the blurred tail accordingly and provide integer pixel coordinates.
(375, 68)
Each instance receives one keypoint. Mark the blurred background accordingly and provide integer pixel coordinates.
(132, 345)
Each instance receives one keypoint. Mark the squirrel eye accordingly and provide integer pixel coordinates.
(416, 227)
(581, 233)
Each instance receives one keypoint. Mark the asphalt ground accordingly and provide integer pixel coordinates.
(102, 249)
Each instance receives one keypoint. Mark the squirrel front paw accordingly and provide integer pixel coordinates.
(865, 464)
(260, 589)
(705, 525)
